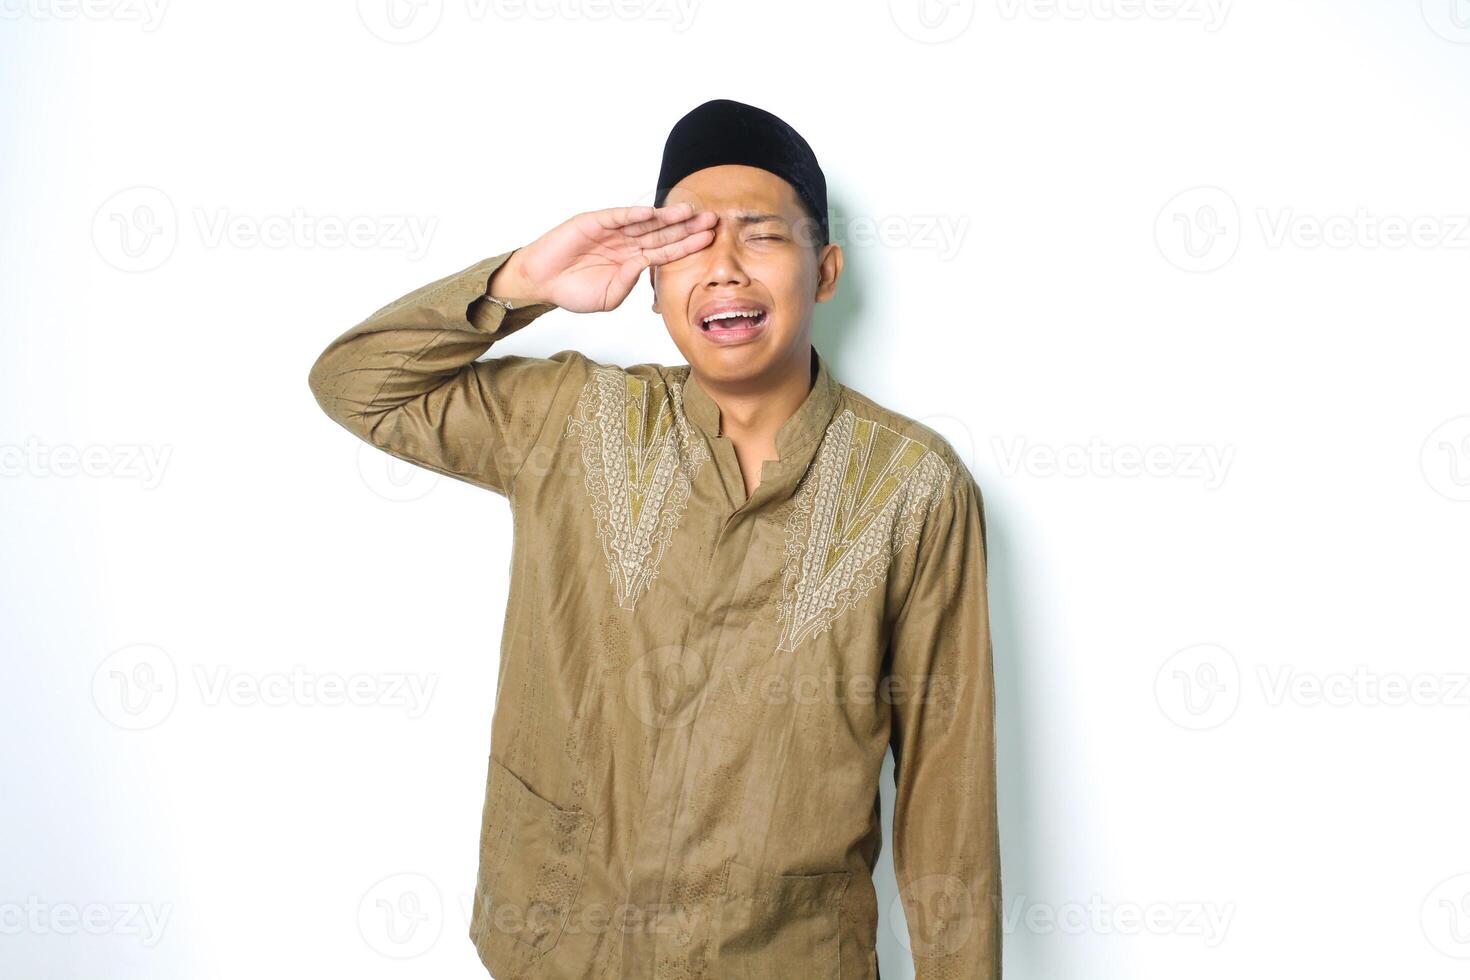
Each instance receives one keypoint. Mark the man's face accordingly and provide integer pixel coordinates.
(762, 258)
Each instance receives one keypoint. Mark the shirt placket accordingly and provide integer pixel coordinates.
(684, 830)
(677, 869)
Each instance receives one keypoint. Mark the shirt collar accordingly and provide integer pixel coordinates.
(808, 422)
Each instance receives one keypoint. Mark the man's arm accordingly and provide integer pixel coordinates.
(946, 842)
(406, 379)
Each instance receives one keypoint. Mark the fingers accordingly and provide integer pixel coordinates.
(669, 234)
(659, 234)
(624, 281)
(685, 245)
(616, 219)
(640, 221)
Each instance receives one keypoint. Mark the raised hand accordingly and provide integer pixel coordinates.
(590, 262)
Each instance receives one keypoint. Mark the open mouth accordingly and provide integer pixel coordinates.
(735, 319)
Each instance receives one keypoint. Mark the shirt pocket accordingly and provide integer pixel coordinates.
(532, 860)
(778, 926)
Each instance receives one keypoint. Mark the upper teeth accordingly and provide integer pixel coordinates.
(727, 315)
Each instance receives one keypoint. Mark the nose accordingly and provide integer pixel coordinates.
(723, 257)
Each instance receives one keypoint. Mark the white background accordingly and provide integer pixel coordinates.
(1227, 239)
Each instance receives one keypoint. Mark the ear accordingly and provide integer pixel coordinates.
(829, 270)
(652, 285)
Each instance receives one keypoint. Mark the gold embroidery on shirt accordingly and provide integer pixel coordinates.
(639, 460)
(865, 497)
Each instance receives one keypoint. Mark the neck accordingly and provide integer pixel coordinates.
(753, 409)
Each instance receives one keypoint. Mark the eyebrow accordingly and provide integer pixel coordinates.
(757, 218)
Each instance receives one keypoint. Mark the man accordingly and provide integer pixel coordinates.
(735, 582)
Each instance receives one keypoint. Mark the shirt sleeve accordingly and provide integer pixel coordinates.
(946, 844)
(407, 381)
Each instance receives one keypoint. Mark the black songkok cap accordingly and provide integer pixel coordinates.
(723, 131)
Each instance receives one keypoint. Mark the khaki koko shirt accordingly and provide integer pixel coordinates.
(696, 689)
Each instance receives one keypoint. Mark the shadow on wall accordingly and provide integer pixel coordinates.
(835, 333)
(834, 321)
